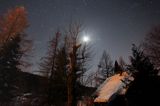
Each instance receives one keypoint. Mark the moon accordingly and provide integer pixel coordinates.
(86, 39)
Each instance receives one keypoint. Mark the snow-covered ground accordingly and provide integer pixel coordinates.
(113, 85)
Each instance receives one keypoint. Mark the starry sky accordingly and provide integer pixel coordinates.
(113, 25)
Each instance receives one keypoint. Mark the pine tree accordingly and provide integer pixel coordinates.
(117, 68)
(144, 88)
(140, 64)
(8, 66)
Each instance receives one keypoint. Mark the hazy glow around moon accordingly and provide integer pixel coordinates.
(86, 39)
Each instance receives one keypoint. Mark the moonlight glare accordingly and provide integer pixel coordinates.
(86, 39)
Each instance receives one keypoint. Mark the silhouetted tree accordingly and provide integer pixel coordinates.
(73, 33)
(122, 63)
(12, 23)
(8, 67)
(145, 87)
(140, 64)
(78, 56)
(105, 68)
(57, 66)
(53, 67)
(106, 65)
(84, 54)
(152, 46)
(117, 68)
(13, 47)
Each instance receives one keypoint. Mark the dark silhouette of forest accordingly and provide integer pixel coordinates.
(62, 79)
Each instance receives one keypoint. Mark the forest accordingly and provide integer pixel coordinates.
(64, 77)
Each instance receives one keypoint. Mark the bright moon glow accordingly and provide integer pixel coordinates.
(86, 39)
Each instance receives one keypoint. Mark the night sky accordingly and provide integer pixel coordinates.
(113, 25)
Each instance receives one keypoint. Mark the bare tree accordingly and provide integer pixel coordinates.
(84, 57)
(73, 33)
(78, 56)
(65, 64)
(152, 46)
(105, 68)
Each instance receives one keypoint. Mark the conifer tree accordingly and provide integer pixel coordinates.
(50, 68)
(146, 82)
(13, 47)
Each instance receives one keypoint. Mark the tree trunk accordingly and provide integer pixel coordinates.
(72, 77)
(70, 90)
